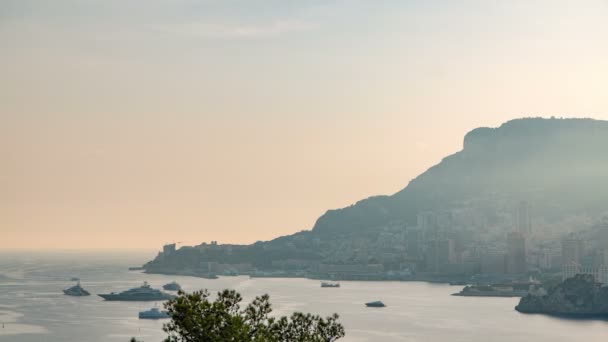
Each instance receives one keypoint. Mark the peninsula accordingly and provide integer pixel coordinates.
(497, 210)
(580, 296)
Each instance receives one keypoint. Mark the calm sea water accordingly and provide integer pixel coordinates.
(33, 308)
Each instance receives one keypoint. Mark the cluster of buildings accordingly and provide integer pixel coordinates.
(466, 242)
(577, 260)
(491, 239)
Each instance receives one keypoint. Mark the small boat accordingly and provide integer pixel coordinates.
(76, 291)
(172, 286)
(153, 313)
(376, 304)
(328, 284)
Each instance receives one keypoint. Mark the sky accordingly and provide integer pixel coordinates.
(131, 124)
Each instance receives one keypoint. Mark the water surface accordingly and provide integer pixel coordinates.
(33, 308)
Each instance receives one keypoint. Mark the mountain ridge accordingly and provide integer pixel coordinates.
(419, 195)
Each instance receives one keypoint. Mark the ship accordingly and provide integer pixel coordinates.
(172, 286)
(142, 293)
(376, 304)
(328, 284)
(76, 291)
(153, 313)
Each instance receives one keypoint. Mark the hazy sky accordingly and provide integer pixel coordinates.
(136, 123)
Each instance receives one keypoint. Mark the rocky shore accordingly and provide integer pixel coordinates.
(580, 296)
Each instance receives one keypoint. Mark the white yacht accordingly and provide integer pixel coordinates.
(76, 290)
(142, 293)
(172, 286)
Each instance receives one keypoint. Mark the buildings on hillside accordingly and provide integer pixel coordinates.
(522, 219)
(572, 249)
(490, 238)
(600, 273)
(516, 253)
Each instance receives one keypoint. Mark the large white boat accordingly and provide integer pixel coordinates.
(142, 293)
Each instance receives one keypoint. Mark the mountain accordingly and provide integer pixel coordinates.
(557, 166)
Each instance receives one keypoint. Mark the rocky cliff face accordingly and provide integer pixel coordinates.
(578, 296)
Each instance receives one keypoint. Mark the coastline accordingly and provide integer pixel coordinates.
(495, 294)
(456, 281)
(568, 316)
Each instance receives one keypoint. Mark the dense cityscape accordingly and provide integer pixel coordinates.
(455, 245)
(523, 202)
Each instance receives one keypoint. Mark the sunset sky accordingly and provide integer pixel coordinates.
(130, 124)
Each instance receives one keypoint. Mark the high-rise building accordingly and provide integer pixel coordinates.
(601, 237)
(439, 252)
(522, 218)
(541, 258)
(427, 221)
(572, 249)
(447, 253)
(600, 257)
(436, 225)
(492, 262)
(413, 242)
(516, 253)
(571, 269)
(544, 259)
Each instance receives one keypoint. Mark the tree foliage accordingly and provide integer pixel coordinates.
(196, 318)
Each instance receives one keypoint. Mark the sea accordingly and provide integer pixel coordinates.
(34, 309)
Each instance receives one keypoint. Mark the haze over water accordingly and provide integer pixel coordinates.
(134, 124)
(33, 308)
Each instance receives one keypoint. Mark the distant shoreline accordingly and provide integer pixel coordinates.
(425, 279)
